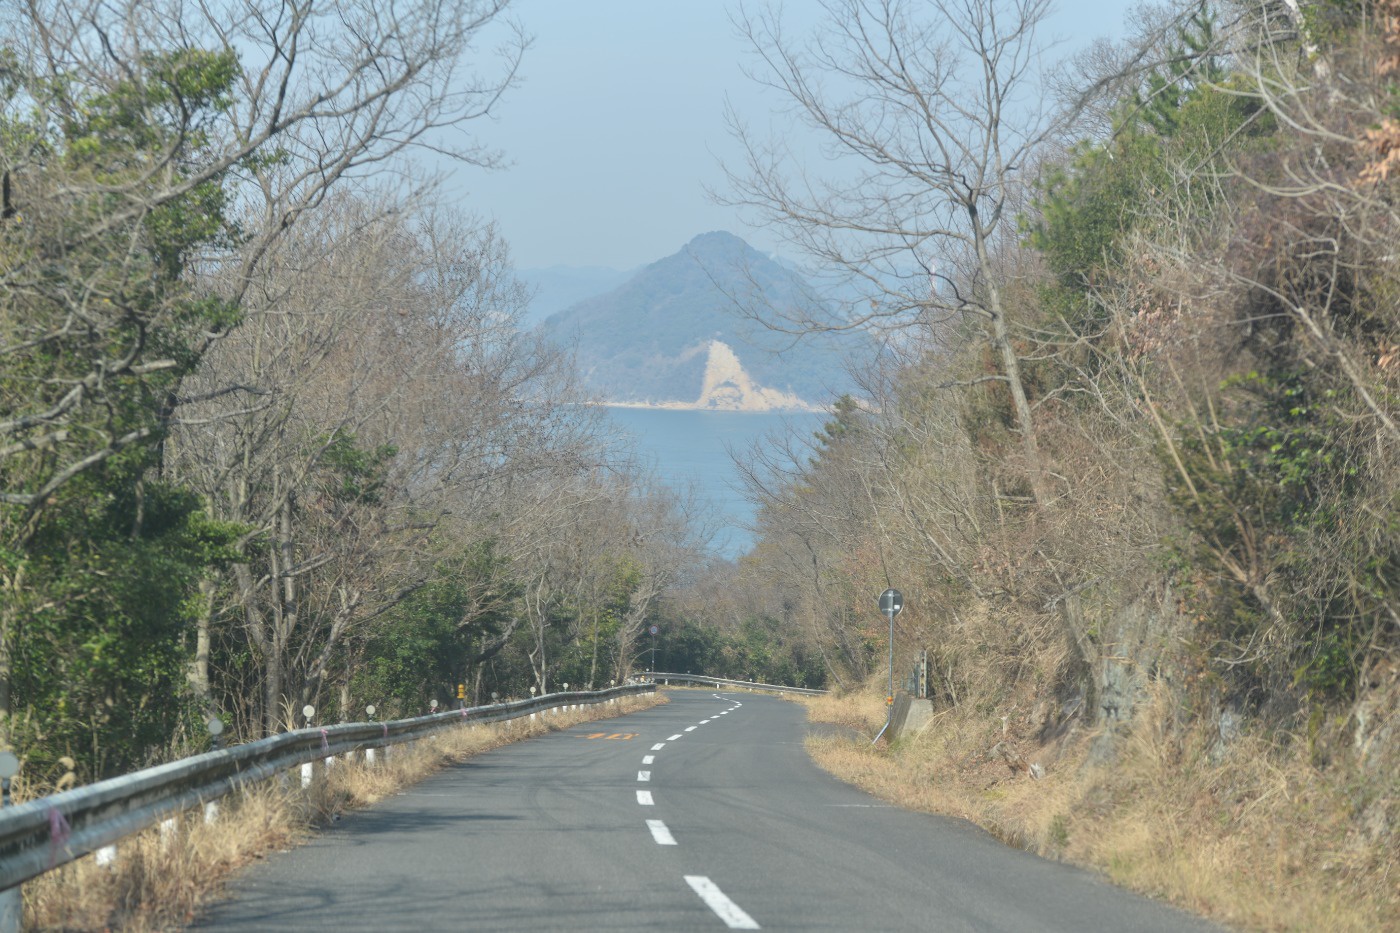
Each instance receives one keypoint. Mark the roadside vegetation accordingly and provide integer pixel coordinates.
(162, 881)
(1132, 453)
(1255, 837)
(271, 432)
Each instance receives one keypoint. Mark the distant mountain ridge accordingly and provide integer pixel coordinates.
(556, 288)
(671, 335)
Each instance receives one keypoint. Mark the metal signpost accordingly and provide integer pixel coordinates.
(653, 631)
(891, 601)
(215, 725)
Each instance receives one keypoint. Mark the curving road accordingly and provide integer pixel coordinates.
(702, 814)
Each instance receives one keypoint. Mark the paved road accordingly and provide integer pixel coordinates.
(703, 814)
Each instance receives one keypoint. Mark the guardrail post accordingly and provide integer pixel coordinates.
(11, 910)
(211, 780)
(11, 900)
(167, 832)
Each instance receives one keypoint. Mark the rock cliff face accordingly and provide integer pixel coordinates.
(728, 388)
(671, 336)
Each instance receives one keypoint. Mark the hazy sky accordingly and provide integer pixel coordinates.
(618, 126)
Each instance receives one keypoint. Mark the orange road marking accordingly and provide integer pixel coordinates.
(617, 736)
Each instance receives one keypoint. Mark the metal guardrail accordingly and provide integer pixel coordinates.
(40, 835)
(704, 681)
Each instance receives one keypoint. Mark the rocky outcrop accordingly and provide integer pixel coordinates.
(727, 387)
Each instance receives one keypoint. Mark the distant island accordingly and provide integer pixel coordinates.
(672, 335)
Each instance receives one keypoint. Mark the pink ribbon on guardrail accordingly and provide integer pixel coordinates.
(59, 831)
(464, 712)
(386, 730)
(325, 744)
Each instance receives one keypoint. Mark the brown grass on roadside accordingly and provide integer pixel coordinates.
(1254, 835)
(161, 883)
(862, 711)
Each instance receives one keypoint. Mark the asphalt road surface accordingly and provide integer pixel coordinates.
(702, 814)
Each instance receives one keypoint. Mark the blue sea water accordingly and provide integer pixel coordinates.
(692, 447)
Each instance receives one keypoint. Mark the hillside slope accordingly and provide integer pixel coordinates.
(673, 334)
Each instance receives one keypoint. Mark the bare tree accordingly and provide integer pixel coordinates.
(932, 117)
(393, 397)
(140, 128)
(667, 538)
(815, 500)
(290, 99)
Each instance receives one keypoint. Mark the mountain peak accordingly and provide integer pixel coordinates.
(721, 246)
(672, 333)
(717, 238)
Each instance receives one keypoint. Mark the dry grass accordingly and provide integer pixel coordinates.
(862, 711)
(1255, 836)
(160, 883)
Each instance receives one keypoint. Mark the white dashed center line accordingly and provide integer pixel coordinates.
(691, 728)
(658, 746)
(648, 759)
(715, 899)
(660, 833)
(674, 737)
(644, 798)
(644, 775)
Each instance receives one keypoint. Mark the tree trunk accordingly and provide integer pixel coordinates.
(1011, 370)
(265, 647)
(199, 668)
(272, 693)
(1069, 611)
(284, 612)
(593, 664)
(9, 624)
